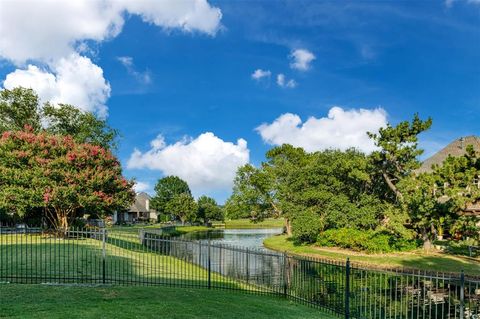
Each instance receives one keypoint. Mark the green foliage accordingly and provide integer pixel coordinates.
(235, 208)
(398, 152)
(434, 200)
(21, 107)
(333, 188)
(84, 127)
(182, 206)
(306, 226)
(365, 240)
(464, 247)
(455, 179)
(165, 189)
(209, 210)
(465, 227)
(252, 193)
(59, 175)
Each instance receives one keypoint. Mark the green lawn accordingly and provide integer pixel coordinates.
(39, 301)
(419, 259)
(37, 259)
(247, 223)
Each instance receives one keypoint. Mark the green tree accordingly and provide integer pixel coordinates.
(165, 189)
(40, 170)
(182, 206)
(330, 189)
(398, 152)
(84, 127)
(434, 198)
(209, 210)
(19, 107)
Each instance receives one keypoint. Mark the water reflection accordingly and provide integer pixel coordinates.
(245, 238)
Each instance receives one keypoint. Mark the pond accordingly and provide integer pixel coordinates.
(245, 238)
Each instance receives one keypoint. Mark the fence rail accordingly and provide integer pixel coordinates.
(150, 258)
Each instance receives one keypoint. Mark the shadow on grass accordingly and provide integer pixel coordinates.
(81, 261)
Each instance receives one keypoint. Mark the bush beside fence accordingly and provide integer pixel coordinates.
(150, 258)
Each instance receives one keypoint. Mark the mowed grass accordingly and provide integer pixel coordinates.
(41, 301)
(419, 259)
(247, 223)
(38, 259)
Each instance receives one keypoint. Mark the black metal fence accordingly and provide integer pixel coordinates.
(147, 258)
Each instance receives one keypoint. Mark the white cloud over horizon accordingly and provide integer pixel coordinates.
(206, 162)
(341, 129)
(301, 59)
(45, 40)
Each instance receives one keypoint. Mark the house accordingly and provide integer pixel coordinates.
(140, 211)
(456, 148)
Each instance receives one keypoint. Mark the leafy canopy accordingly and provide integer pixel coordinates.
(21, 107)
(165, 189)
(182, 206)
(60, 175)
(209, 210)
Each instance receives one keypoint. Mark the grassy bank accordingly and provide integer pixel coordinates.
(247, 223)
(178, 230)
(36, 301)
(419, 259)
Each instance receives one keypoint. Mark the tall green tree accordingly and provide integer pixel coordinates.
(209, 210)
(40, 170)
(398, 152)
(183, 206)
(21, 107)
(165, 190)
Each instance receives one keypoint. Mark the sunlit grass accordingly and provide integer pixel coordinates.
(419, 259)
(54, 302)
(35, 259)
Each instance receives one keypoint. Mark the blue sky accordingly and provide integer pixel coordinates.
(168, 73)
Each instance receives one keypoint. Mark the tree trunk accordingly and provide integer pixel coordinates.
(427, 243)
(288, 227)
(392, 186)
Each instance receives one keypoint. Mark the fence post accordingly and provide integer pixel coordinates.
(347, 289)
(462, 297)
(285, 271)
(104, 254)
(209, 266)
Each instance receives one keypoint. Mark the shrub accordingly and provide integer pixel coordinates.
(306, 226)
(364, 240)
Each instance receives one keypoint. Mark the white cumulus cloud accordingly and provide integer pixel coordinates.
(52, 29)
(54, 33)
(74, 80)
(341, 129)
(206, 162)
(301, 59)
(282, 82)
(259, 74)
